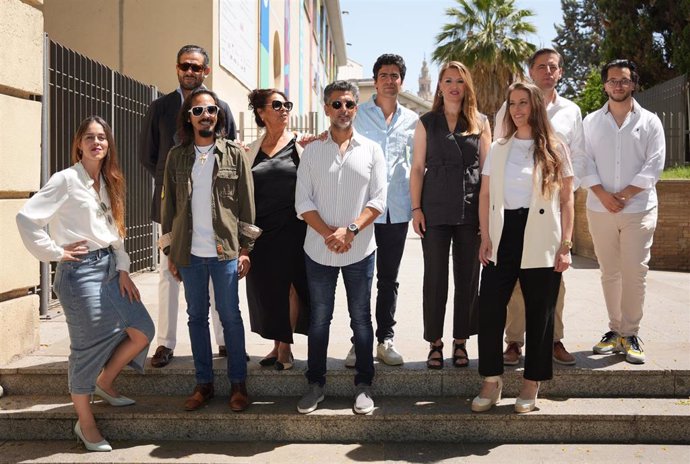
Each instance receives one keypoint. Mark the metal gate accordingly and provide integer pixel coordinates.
(79, 87)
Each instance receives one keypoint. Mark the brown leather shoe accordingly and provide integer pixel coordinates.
(561, 355)
(239, 400)
(203, 392)
(222, 351)
(511, 356)
(162, 356)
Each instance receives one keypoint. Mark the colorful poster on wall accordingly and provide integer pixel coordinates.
(237, 36)
(264, 41)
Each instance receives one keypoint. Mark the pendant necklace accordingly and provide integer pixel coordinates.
(203, 155)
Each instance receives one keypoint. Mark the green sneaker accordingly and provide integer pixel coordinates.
(610, 343)
(634, 354)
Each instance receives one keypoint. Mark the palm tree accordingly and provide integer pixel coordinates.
(489, 37)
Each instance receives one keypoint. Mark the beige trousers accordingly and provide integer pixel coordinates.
(515, 317)
(622, 243)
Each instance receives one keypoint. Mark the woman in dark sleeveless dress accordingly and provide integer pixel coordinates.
(276, 286)
(450, 144)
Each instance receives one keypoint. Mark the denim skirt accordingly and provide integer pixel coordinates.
(97, 317)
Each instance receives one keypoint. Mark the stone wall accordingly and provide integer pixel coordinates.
(671, 248)
(21, 85)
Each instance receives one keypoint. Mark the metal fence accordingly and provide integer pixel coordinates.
(79, 87)
(671, 102)
(248, 131)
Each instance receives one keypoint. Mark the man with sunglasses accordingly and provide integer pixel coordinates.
(385, 121)
(341, 189)
(625, 151)
(157, 137)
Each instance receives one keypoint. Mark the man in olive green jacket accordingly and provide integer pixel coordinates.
(207, 208)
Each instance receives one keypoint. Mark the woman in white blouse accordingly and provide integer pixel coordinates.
(109, 327)
(526, 223)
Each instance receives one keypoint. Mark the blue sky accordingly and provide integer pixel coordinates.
(408, 28)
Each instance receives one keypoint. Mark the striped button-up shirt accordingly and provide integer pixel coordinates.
(339, 188)
(396, 141)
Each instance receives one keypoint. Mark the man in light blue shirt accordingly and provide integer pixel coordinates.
(385, 121)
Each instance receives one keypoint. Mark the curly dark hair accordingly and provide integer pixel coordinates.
(185, 130)
(389, 58)
(258, 98)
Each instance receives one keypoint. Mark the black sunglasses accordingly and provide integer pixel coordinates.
(199, 110)
(349, 104)
(279, 105)
(187, 66)
(104, 212)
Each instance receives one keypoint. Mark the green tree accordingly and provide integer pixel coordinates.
(489, 37)
(592, 96)
(640, 30)
(578, 40)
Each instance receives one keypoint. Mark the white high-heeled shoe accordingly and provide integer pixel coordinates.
(527, 405)
(113, 400)
(102, 445)
(480, 404)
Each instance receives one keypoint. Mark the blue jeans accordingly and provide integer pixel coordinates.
(322, 281)
(224, 276)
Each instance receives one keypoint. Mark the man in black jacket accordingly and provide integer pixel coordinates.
(158, 136)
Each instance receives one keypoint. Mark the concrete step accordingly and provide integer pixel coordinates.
(395, 419)
(412, 379)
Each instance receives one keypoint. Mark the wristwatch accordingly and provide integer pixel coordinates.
(567, 243)
(354, 228)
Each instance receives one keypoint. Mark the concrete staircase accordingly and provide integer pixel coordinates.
(413, 404)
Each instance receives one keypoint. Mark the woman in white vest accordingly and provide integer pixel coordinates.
(526, 221)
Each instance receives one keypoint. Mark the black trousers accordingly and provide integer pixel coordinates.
(540, 291)
(436, 246)
(390, 242)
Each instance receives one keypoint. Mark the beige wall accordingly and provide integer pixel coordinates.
(21, 77)
(90, 27)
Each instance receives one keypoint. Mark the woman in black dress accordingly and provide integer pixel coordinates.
(450, 144)
(276, 287)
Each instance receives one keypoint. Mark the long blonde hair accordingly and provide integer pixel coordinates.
(546, 155)
(468, 109)
(110, 169)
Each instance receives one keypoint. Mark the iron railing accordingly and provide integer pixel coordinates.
(248, 130)
(670, 100)
(79, 87)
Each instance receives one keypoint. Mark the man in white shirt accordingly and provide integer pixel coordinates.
(625, 151)
(385, 121)
(545, 69)
(341, 189)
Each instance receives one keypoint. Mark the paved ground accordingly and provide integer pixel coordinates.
(665, 328)
(665, 333)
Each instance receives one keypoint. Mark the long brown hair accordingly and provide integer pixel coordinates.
(110, 169)
(468, 109)
(546, 155)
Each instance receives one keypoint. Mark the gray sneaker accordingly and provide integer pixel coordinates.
(364, 404)
(310, 401)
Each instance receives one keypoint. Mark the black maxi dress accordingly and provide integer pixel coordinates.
(278, 255)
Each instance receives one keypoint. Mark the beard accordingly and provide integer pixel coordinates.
(206, 133)
(620, 97)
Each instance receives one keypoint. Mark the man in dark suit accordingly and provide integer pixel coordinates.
(158, 136)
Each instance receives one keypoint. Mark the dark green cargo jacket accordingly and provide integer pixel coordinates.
(233, 201)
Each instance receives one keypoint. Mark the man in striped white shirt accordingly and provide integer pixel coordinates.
(341, 189)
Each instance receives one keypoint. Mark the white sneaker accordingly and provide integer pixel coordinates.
(387, 353)
(351, 358)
